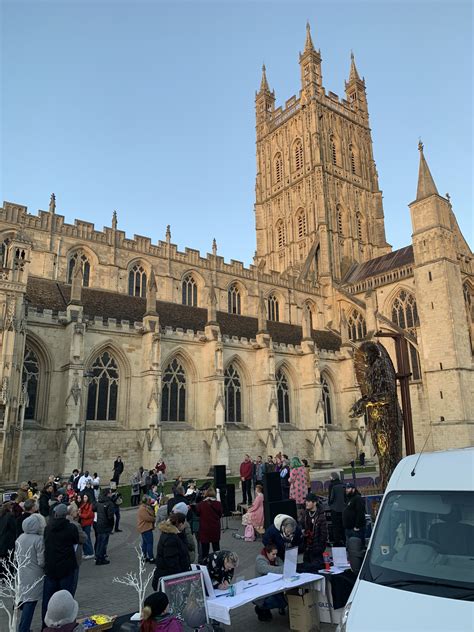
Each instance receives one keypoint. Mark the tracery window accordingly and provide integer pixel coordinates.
(301, 220)
(298, 155)
(79, 258)
(137, 281)
(102, 395)
(281, 237)
(189, 290)
(4, 252)
(30, 378)
(283, 396)
(333, 150)
(278, 168)
(404, 311)
(466, 290)
(173, 395)
(353, 160)
(326, 395)
(359, 227)
(273, 308)
(233, 395)
(339, 220)
(356, 326)
(234, 299)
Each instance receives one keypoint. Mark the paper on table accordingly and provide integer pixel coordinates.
(335, 570)
(268, 579)
(339, 556)
(289, 565)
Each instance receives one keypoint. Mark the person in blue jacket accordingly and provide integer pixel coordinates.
(284, 533)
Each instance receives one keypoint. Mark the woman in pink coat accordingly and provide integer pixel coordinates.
(254, 515)
(298, 484)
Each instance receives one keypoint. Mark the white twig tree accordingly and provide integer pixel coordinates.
(139, 581)
(12, 593)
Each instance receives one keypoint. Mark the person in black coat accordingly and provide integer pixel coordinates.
(172, 552)
(45, 497)
(353, 516)
(118, 469)
(315, 532)
(60, 563)
(221, 566)
(179, 497)
(7, 532)
(284, 533)
(337, 504)
(105, 524)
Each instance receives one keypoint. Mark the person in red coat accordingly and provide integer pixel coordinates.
(209, 512)
(246, 475)
(86, 518)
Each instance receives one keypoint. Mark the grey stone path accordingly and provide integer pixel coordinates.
(96, 593)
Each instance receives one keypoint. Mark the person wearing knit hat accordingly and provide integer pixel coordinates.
(155, 615)
(183, 508)
(62, 613)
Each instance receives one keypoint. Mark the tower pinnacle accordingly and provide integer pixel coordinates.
(308, 46)
(264, 83)
(353, 74)
(426, 185)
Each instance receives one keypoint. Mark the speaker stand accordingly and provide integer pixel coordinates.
(225, 525)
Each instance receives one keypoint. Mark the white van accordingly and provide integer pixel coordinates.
(418, 573)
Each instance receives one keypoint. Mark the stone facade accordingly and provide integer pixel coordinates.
(174, 354)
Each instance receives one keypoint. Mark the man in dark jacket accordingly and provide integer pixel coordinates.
(172, 555)
(60, 564)
(179, 497)
(105, 524)
(315, 530)
(337, 504)
(353, 516)
(118, 469)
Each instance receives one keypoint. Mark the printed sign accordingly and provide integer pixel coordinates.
(187, 598)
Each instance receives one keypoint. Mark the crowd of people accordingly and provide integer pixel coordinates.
(55, 525)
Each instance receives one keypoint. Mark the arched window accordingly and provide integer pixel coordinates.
(333, 150)
(4, 252)
(353, 159)
(283, 395)
(298, 155)
(81, 258)
(102, 396)
(137, 281)
(30, 378)
(189, 288)
(466, 290)
(233, 395)
(356, 326)
(173, 396)
(301, 221)
(234, 299)
(339, 221)
(278, 168)
(359, 227)
(281, 237)
(326, 395)
(273, 308)
(404, 311)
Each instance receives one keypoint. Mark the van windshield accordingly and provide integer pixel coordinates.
(424, 542)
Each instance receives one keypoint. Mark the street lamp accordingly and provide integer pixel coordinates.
(86, 377)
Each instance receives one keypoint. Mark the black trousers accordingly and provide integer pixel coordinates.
(339, 535)
(247, 491)
(206, 546)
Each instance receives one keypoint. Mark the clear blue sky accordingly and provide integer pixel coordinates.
(148, 107)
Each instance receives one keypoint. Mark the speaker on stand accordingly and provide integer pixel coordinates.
(272, 509)
(226, 496)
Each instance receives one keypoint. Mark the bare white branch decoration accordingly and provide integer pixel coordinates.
(139, 581)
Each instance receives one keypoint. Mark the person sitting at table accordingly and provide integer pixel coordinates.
(267, 561)
(172, 552)
(284, 533)
(156, 616)
(221, 566)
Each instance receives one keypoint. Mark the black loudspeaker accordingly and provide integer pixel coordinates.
(230, 498)
(271, 487)
(220, 477)
(272, 509)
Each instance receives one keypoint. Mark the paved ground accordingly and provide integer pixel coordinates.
(96, 592)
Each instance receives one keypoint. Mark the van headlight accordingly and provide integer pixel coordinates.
(342, 627)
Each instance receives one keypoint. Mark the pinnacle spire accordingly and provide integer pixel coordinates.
(308, 45)
(426, 185)
(353, 74)
(264, 83)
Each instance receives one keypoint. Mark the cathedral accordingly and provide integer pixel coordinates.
(112, 345)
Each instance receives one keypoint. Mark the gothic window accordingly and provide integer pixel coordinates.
(234, 299)
(353, 159)
(414, 359)
(333, 150)
(359, 227)
(283, 396)
(339, 220)
(233, 395)
(278, 168)
(30, 378)
(4, 253)
(137, 281)
(404, 311)
(102, 396)
(467, 297)
(189, 288)
(281, 238)
(356, 326)
(173, 396)
(273, 308)
(301, 220)
(326, 395)
(81, 259)
(298, 155)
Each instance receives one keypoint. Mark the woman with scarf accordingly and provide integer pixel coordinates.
(267, 561)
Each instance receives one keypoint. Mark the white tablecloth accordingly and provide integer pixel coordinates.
(219, 608)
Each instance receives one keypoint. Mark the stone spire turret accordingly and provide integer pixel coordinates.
(262, 315)
(151, 291)
(114, 220)
(212, 306)
(426, 184)
(52, 204)
(308, 46)
(310, 63)
(168, 234)
(76, 285)
(355, 89)
(353, 74)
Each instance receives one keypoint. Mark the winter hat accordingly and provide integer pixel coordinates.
(350, 485)
(60, 511)
(34, 524)
(312, 497)
(62, 609)
(154, 605)
(181, 508)
(334, 476)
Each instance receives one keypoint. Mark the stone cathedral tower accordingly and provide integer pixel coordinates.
(318, 204)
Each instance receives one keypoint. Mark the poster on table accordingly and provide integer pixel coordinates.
(186, 595)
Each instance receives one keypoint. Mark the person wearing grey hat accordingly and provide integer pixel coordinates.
(337, 504)
(183, 508)
(62, 613)
(60, 568)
